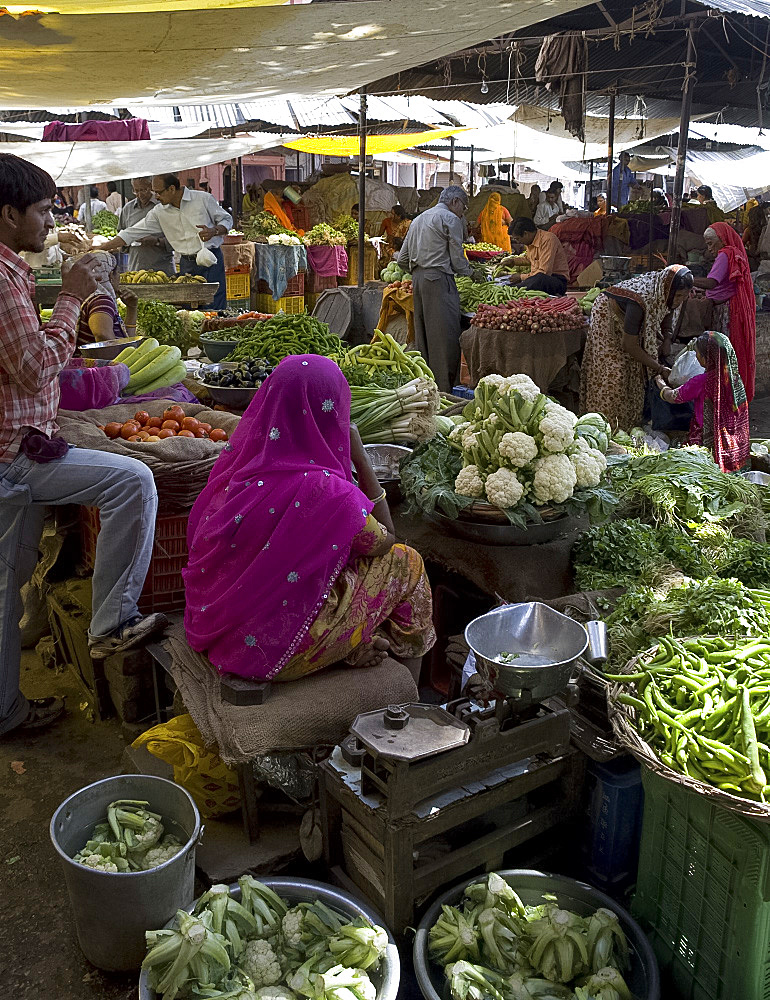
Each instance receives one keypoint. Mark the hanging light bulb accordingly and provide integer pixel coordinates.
(484, 86)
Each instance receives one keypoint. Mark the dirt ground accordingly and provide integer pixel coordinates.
(40, 955)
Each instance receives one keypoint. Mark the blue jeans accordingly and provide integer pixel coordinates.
(214, 273)
(124, 491)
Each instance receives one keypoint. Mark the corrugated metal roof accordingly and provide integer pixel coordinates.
(751, 8)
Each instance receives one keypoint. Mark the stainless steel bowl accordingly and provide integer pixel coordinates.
(299, 890)
(108, 350)
(545, 644)
(217, 350)
(758, 478)
(238, 399)
(486, 533)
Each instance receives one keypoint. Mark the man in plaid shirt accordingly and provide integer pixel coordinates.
(38, 469)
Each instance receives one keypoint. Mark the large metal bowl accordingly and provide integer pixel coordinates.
(758, 478)
(108, 350)
(643, 978)
(546, 645)
(238, 399)
(217, 350)
(305, 890)
(485, 533)
(385, 459)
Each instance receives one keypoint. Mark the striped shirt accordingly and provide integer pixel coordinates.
(31, 355)
(99, 302)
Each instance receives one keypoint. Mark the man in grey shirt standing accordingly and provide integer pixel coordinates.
(152, 253)
(433, 253)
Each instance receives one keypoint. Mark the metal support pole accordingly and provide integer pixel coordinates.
(590, 183)
(451, 160)
(361, 186)
(238, 200)
(471, 183)
(299, 171)
(86, 220)
(415, 175)
(681, 149)
(611, 151)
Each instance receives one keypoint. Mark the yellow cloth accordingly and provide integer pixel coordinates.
(491, 222)
(349, 145)
(396, 302)
(751, 203)
(250, 205)
(272, 206)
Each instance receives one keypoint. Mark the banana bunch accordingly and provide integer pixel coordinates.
(151, 366)
(145, 278)
(189, 279)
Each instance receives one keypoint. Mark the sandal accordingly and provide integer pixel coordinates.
(42, 712)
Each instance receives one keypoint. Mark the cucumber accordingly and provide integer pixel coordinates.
(157, 367)
(151, 344)
(176, 374)
(137, 372)
(123, 357)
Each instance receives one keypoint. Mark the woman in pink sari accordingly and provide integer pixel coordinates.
(293, 567)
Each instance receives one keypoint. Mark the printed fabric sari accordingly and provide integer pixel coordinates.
(725, 427)
(277, 539)
(742, 306)
(491, 222)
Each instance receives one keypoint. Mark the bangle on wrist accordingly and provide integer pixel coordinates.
(378, 499)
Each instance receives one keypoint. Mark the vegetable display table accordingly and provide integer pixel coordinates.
(503, 352)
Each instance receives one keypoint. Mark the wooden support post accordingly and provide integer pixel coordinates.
(451, 159)
(590, 184)
(361, 186)
(472, 170)
(611, 151)
(681, 149)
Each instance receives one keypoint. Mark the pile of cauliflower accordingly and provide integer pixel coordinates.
(520, 446)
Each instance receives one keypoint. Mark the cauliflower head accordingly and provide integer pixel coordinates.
(97, 862)
(275, 993)
(522, 384)
(457, 432)
(469, 482)
(167, 849)
(520, 449)
(557, 428)
(503, 488)
(554, 479)
(590, 465)
(469, 438)
(498, 381)
(292, 926)
(260, 963)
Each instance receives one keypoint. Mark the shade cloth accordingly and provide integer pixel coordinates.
(502, 352)
(130, 130)
(349, 145)
(277, 264)
(298, 715)
(328, 262)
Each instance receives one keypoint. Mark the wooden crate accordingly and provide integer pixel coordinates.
(388, 857)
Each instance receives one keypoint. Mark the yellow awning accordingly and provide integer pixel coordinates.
(348, 145)
(128, 6)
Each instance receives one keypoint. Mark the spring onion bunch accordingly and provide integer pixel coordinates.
(395, 416)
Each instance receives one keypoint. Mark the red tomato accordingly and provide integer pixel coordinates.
(174, 413)
(141, 417)
(218, 434)
(152, 438)
(113, 429)
(170, 425)
(134, 437)
(190, 423)
(130, 427)
(166, 433)
(186, 434)
(143, 435)
(200, 433)
(155, 422)
(206, 427)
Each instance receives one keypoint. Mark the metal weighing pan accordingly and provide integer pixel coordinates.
(236, 398)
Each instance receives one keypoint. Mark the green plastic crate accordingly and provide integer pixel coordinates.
(703, 894)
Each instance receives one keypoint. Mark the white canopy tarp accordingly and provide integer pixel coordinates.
(74, 163)
(241, 54)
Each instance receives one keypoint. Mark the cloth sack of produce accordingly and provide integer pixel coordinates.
(197, 768)
(91, 388)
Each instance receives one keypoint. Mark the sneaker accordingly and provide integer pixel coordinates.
(42, 712)
(130, 634)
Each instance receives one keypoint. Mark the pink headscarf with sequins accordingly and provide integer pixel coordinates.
(272, 529)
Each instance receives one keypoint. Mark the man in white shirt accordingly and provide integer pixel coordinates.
(114, 200)
(546, 211)
(187, 219)
(153, 252)
(97, 205)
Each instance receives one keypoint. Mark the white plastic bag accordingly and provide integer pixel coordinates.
(684, 368)
(205, 258)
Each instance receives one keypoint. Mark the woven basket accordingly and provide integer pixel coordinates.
(623, 718)
(489, 514)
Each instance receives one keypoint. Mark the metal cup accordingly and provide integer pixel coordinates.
(598, 643)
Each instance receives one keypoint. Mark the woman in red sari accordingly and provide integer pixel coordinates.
(731, 289)
(721, 416)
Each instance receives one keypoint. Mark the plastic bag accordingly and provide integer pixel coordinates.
(197, 768)
(684, 368)
(205, 258)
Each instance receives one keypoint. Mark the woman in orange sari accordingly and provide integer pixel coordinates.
(493, 222)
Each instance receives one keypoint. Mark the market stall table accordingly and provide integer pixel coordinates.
(194, 293)
(503, 352)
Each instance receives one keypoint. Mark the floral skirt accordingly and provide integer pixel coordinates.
(387, 596)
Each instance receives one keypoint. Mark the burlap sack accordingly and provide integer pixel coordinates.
(299, 715)
(238, 256)
(180, 466)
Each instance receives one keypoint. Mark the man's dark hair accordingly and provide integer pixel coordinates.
(555, 186)
(23, 183)
(354, 208)
(400, 211)
(522, 225)
(94, 191)
(706, 191)
(112, 187)
(170, 181)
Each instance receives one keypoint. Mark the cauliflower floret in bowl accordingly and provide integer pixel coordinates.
(554, 480)
(503, 489)
(469, 482)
